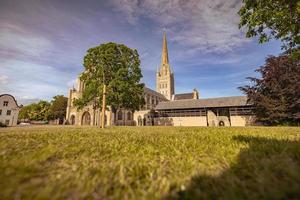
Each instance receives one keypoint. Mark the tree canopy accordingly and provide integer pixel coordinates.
(118, 67)
(58, 107)
(44, 111)
(276, 95)
(279, 19)
(35, 111)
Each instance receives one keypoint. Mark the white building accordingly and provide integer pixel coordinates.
(9, 110)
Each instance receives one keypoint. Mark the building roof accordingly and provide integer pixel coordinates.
(152, 92)
(11, 97)
(184, 96)
(204, 103)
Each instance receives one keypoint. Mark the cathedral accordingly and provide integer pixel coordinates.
(165, 108)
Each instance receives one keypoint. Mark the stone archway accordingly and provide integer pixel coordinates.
(72, 120)
(86, 118)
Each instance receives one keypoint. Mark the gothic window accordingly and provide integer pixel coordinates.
(120, 115)
(5, 103)
(148, 101)
(8, 112)
(72, 120)
(129, 116)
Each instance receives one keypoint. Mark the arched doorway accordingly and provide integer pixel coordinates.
(86, 118)
(72, 120)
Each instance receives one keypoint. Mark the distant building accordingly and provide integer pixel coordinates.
(224, 111)
(166, 108)
(9, 110)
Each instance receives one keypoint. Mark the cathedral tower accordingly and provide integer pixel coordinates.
(164, 75)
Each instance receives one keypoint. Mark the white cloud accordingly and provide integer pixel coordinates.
(3, 79)
(204, 25)
(25, 100)
(33, 81)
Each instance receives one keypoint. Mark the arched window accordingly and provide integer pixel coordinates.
(72, 121)
(120, 115)
(129, 116)
(153, 101)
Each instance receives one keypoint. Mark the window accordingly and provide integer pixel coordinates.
(120, 115)
(7, 122)
(129, 116)
(8, 112)
(237, 111)
(181, 113)
(5, 103)
(0, 112)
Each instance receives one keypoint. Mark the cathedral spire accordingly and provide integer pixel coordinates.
(164, 76)
(164, 56)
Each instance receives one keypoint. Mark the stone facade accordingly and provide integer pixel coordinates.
(9, 110)
(90, 116)
(165, 108)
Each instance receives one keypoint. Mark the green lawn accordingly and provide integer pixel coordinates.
(49, 162)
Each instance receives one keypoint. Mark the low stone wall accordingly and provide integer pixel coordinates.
(181, 121)
(246, 120)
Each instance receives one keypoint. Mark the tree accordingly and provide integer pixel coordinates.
(35, 111)
(117, 67)
(276, 95)
(58, 107)
(24, 113)
(279, 19)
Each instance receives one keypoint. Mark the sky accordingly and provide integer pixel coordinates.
(43, 43)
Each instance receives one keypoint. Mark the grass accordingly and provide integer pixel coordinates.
(51, 162)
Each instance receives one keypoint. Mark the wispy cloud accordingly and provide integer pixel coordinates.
(25, 100)
(3, 79)
(205, 25)
(17, 41)
(32, 80)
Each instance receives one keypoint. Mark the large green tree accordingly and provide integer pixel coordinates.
(118, 67)
(58, 107)
(279, 19)
(276, 95)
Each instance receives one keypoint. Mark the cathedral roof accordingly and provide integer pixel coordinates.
(204, 103)
(184, 96)
(152, 92)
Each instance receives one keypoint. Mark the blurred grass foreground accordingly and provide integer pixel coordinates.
(49, 162)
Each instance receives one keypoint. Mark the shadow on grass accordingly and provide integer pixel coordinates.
(268, 169)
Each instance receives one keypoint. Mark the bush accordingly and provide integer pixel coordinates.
(2, 125)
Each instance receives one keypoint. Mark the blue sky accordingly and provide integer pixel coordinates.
(43, 42)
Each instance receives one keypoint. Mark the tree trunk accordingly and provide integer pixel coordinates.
(103, 107)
